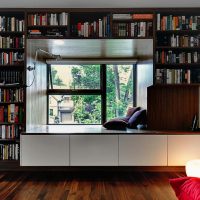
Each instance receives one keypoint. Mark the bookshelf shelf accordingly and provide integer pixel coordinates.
(13, 163)
(178, 66)
(119, 37)
(7, 103)
(9, 140)
(178, 32)
(9, 123)
(11, 86)
(11, 49)
(48, 37)
(132, 20)
(178, 48)
(12, 32)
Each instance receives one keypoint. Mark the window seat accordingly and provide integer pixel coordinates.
(96, 130)
(93, 145)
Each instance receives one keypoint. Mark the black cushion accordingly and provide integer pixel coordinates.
(116, 124)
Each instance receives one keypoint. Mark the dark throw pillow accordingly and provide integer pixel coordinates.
(131, 111)
(139, 117)
(116, 124)
(186, 188)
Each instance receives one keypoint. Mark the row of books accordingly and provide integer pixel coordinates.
(171, 22)
(12, 42)
(10, 77)
(9, 151)
(10, 131)
(135, 29)
(51, 19)
(11, 24)
(98, 28)
(11, 95)
(173, 76)
(170, 57)
(119, 16)
(179, 41)
(10, 58)
(11, 113)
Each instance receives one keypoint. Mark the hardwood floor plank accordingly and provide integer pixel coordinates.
(87, 185)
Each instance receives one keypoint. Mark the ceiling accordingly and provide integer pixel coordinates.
(97, 3)
(141, 49)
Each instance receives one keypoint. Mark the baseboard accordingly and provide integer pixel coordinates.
(100, 168)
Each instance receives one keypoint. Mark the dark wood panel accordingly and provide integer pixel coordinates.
(172, 108)
(87, 185)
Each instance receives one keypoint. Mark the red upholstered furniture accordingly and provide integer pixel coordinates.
(186, 188)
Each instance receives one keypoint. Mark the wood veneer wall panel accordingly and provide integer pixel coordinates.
(172, 107)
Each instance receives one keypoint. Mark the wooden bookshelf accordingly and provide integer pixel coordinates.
(176, 50)
(12, 66)
(109, 24)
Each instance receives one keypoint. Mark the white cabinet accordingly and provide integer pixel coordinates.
(182, 148)
(44, 150)
(143, 150)
(94, 150)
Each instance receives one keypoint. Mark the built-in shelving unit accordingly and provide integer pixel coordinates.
(175, 33)
(177, 42)
(12, 79)
(92, 24)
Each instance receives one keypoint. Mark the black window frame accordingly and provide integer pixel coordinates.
(101, 91)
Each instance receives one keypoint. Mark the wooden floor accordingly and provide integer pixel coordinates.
(84, 185)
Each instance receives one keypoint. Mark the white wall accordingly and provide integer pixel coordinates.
(36, 106)
(97, 3)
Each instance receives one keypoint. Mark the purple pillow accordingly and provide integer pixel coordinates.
(139, 117)
(131, 111)
(116, 124)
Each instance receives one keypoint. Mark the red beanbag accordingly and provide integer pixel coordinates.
(186, 188)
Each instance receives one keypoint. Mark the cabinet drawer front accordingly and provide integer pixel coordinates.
(44, 150)
(142, 150)
(182, 148)
(94, 150)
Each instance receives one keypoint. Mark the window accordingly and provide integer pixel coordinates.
(89, 94)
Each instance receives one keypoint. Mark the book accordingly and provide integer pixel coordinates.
(122, 16)
(142, 16)
(1, 113)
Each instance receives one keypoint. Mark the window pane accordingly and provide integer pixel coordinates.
(75, 76)
(75, 109)
(119, 94)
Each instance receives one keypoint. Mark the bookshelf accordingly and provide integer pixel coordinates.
(12, 79)
(18, 25)
(89, 24)
(177, 43)
(132, 25)
(47, 25)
